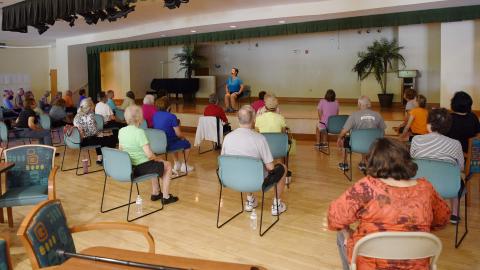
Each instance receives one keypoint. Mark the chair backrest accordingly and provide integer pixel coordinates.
(73, 141)
(120, 115)
(33, 164)
(444, 176)
(398, 246)
(335, 123)
(144, 125)
(362, 139)
(3, 132)
(157, 139)
(278, 144)
(43, 232)
(45, 121)
(5, 260)
(99, 122)
(117, 164)
(244, 174)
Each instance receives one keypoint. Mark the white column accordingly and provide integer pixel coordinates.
(460, 65)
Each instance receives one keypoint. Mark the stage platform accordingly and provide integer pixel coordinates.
(301, 117)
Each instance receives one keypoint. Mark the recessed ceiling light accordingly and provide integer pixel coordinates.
(193, 31)
(233, 26)
(282, 21)
(162, 35)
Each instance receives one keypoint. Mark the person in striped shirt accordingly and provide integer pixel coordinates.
(435, 145)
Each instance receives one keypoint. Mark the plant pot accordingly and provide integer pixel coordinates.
(386, 100)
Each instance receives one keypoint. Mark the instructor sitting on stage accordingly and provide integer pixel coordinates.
(233, 90)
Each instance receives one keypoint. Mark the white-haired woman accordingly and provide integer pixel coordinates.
(134, 141)
(149, 109)
(87, 126)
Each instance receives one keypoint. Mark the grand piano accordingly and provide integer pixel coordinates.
(186, 87)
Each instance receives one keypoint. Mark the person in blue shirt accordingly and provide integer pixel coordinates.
(110, 102)
(168, 122)
(233, 90)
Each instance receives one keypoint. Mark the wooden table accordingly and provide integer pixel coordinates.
(149, 258)
(4, 166)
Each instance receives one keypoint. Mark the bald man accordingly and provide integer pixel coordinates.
(245, 141)
(364, 118)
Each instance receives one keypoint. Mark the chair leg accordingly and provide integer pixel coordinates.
(130, 202)
(10, 217)
(218, 212)
(103, 196)
(186, 171)
(348, 174)
(261, 213)
(206, 151)
(459, 242)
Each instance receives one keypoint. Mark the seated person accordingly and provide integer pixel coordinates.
(364, 118)
(233, 89)
(87, 126)
(58, 95)
(435, 145)
(417, 119)
(149, 109)
(27, 123)
(270, 121)
(328, 106)
(82, 95)
(133, 140)
(387, 199)
(8, 110)
(69, 106)
(465, 123)
(128, 100)
(411, 97)
(29, 94)
(104, 110)
(168, 122)
(244, 141)
(263, 109)
(58, 114)
(7, 100)
(256, 105)
(44, 104)
(110, 102)
(20, 99)
(214, 110)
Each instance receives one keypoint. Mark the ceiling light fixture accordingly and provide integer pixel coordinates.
(172, 4)
(282, 21)
(233, 26)
(193, 31)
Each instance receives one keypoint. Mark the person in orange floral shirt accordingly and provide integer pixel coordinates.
(387, 199)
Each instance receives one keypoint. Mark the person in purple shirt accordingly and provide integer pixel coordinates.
(168, 122)
(327, 107)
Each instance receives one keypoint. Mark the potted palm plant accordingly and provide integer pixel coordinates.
(379, 58)
(189, 60)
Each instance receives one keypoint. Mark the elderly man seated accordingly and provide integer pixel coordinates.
(364, 118)
(244, 141)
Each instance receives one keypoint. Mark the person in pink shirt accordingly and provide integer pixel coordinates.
(327, 107)
(257, 105)
(149, 109)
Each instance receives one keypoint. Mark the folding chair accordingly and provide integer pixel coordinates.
(74, 142)
(334, 127)
(360, 142)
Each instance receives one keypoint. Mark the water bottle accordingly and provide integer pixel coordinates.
(85, 165)
(139, 205)
(253, 220)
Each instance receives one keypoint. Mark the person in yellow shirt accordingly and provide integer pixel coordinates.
(270, 121)
(417, 119)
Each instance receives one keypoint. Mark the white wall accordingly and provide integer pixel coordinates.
(422, 52)
(34, 63)
(145, 65)
(115, 72)
(78, 68)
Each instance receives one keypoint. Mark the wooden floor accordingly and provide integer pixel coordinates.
(300, 240)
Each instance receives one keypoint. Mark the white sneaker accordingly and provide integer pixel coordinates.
(282, 207)
(176, 166)
(250, 203)
(188, 168)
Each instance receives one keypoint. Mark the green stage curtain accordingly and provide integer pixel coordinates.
(94, 76)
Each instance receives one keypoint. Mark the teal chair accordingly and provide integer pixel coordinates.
(447, 180)
(5, 260)
(31, 180)
(360, 142)
(157, 140)
(144, 125)
(243, 174)
(117, 165)
(334, 127)
(119, 115)
(45, 231)
(72, 141)
(46, 123)
(99, 121)
(280, 148)
(5, 138)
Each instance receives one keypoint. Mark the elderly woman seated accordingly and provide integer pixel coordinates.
(89, 133)
(387, 199)
(134, 141)
(149, 109)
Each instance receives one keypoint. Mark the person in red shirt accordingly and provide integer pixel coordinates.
(214, 110)
(258, 104)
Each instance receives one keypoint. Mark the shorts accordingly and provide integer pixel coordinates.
(274, 176)
(322, 127)
(149, 167)
(178, 144)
